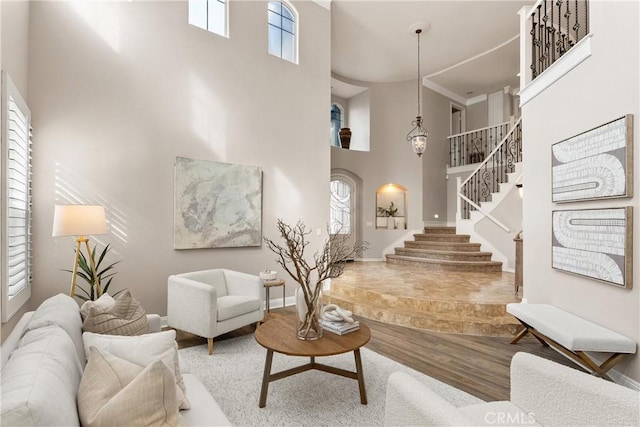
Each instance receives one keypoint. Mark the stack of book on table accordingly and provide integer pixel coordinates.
(339, 328)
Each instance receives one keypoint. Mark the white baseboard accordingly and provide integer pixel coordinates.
(164, 322)
(370, 259)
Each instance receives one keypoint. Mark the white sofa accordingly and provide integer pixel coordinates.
(42, 363)
(209, 303)
(542, 393)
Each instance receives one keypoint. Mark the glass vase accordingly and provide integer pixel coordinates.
(308, 324)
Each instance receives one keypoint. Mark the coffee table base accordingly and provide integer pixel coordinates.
(269, 377)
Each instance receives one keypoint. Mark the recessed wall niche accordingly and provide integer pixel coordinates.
(391, 207)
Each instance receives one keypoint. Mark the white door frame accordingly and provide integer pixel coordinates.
(463, 117)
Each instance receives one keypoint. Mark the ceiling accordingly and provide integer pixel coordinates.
(470, 47)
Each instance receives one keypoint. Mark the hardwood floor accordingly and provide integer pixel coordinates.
(478, 365)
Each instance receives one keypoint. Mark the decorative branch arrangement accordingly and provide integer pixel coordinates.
(328, 263)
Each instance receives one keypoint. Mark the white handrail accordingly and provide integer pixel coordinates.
(487, 214)
(486, 160)
(533, 8)
(478, 130)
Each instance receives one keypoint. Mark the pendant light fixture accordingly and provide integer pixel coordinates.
(418, 136)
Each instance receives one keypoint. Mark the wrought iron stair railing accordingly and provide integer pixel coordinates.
(472, 147)
(487, 177)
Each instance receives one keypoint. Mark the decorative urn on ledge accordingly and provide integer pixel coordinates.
(345, 137)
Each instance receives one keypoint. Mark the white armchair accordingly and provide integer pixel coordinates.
(542, 393)
(209, 303)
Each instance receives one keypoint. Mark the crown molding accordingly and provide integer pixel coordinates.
(323, 3)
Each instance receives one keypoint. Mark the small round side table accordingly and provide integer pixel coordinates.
(268, 284)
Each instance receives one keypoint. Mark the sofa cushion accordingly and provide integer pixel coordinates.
(231, 306)
(502, 413)
(142, 350)
(124, 317)
(114, 391)
(60, 310)
(40, 380)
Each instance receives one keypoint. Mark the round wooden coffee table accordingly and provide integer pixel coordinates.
(279, 335)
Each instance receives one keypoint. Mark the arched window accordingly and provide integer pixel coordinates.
(336, 124)
(282, 31)
(210, 15)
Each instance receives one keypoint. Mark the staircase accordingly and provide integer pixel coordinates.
(440, 248)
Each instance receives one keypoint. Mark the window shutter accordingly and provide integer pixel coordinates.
(17, 242)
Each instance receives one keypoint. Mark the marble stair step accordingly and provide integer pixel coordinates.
(446, 265)
(472, 311)
(438, 237)
(440, 322)
(443, 246)
(444, 255)
(439, 230)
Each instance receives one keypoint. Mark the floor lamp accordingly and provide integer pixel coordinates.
(79, 221)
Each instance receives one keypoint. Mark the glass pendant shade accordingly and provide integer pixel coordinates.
(418, 137)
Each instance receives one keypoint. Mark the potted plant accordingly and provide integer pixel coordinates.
(327, 263)
(94, 289)
(390, 213)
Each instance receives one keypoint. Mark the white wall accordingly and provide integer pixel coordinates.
(436, 114)
(477, 115)
(119, 89)
(359, 107)
(14, 59)
(603, 88)
(390, 160)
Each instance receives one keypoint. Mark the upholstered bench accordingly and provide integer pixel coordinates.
(572, 335)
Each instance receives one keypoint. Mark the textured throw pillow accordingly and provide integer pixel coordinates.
(142, 350)
(124, 317)
(114, 391)
(103, 303)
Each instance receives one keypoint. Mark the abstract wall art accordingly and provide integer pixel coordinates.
(596, 243)
(217, 205)
(595, 164)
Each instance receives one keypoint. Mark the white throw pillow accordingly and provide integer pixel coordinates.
(116, 392)
(142, 350)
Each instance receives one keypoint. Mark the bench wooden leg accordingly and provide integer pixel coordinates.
(520, 335)
(210, 344)
(525, 331)
(578, 357)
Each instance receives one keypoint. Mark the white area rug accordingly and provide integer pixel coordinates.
(233, 375)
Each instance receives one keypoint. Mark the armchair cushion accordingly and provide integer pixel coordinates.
(231, 306)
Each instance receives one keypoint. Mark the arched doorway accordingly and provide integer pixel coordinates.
(342, 207)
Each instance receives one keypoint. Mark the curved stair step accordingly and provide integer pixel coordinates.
(446, 265)
(505, 326)
(444, 255)
(443, 246)
(439, 230)
(437, 237)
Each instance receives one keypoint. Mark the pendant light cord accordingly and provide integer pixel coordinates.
(418, 31)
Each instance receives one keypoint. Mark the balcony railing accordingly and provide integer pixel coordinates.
(556, 26)
(473, 146)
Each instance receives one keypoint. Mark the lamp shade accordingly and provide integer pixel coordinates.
(79, 220)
